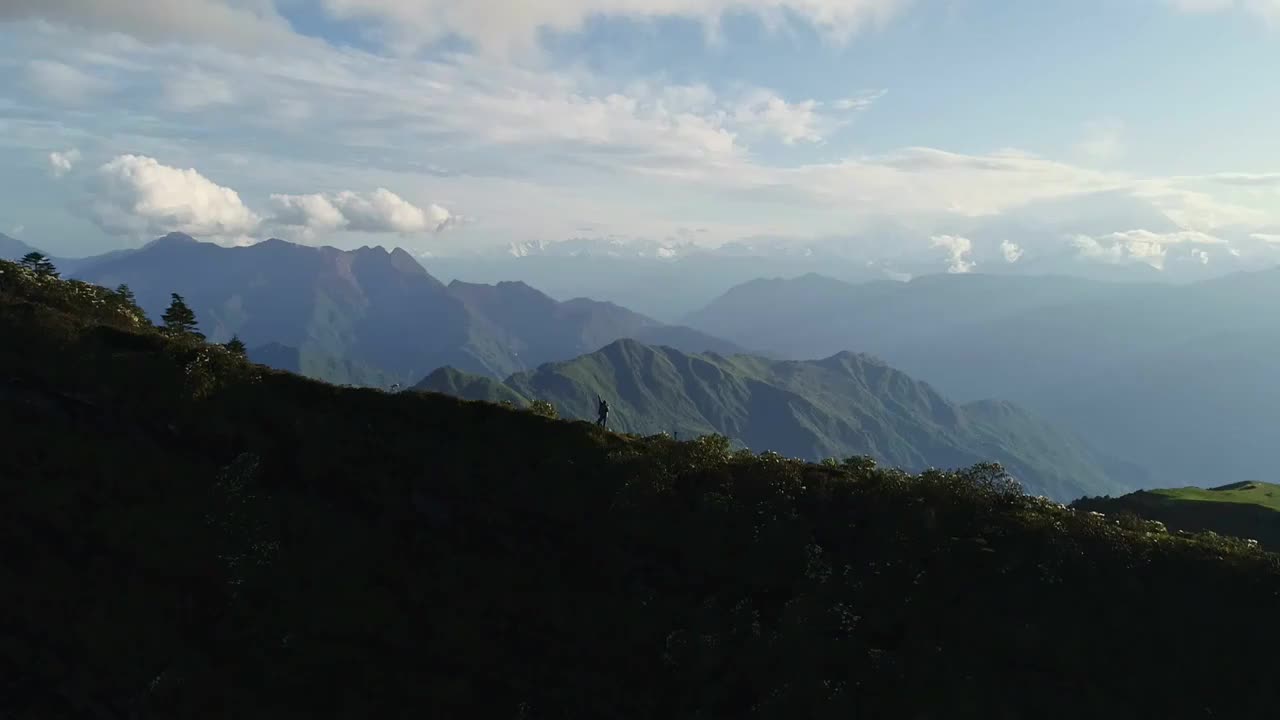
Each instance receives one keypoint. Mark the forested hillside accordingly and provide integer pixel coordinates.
(190, 535)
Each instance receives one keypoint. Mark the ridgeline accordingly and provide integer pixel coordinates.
(190, 535)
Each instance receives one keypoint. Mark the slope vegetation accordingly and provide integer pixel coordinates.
(189, 535)
(843, 405)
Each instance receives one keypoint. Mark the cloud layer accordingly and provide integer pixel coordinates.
(533, 146)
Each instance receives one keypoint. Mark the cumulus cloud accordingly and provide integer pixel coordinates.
(1011, 251)
(380, 211)
(62, 83)
(61, 163)
(1143, 246)
(958, 249)
(136, 195)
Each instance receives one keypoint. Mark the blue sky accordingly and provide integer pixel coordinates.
(441, 125)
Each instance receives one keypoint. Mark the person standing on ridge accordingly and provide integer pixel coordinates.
(602, 411)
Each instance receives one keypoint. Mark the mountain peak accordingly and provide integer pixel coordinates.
(173, 238)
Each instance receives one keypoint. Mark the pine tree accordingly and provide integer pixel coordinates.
(126, 294)
(39, 263)
(180, 319)
(236, 346)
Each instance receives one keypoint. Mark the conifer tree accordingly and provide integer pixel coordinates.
(39, 263)
(124, 292)
(180, 319)
(236, 346)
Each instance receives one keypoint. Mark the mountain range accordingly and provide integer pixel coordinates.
(369, 314)
(843, 405)
(1176, 378)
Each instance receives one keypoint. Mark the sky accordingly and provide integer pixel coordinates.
(444, 126)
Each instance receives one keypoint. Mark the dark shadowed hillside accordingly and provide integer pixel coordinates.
(320, 366)
(844, 405)
(189, 535)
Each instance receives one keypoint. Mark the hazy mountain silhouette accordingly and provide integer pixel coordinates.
(371, 309)
(1152, 373)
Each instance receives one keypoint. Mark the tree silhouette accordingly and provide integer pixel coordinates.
(126, 294)
(39, 263)
(180, 319)
(236, 346)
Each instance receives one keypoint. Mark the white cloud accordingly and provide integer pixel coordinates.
(1011, 251)
(958, 250)
(767, 113)
(61, 163)
(196, 89)
(136, 195)
(507, 26)
(63, 83)
(1246, 179)
(1143, 246)
(764, 112)
(380, 211)
(1267, 238)
(242, 24)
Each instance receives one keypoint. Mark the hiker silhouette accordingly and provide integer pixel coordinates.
(602, 417)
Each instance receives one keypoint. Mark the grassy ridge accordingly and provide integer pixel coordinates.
(1265, 495)
(1245, 509)
(189, 535)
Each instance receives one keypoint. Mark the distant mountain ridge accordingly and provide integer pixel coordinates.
(13, 248)
(1154, 373)
(369, 312)
(843, 405)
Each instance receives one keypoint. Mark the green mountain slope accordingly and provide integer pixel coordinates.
(1244, 509)
(449, 381)
(320, 366)
(843, 405)
(190, 535)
